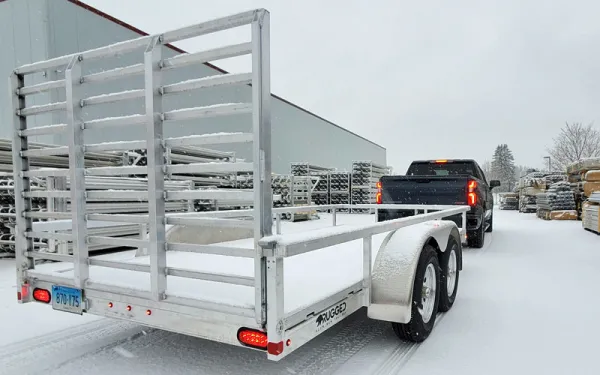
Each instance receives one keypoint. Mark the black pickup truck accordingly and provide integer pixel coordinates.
(443, 182)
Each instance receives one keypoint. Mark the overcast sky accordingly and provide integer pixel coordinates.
(425, 79)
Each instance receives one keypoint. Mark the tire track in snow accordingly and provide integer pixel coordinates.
(44, 353)
(488, 243)
(385, 356)
(353, 335)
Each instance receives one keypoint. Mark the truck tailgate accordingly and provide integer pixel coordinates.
(424, 190)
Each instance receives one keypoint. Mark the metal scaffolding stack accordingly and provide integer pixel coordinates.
(309, 186)
(8, 213)
(339, 188)
(556, 202)
(320, 193)
(365, 175)
(92, 159)
(94, 206)
(190, 154)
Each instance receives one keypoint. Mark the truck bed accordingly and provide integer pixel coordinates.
(308, 277)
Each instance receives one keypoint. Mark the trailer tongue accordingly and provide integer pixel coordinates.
(185, 285)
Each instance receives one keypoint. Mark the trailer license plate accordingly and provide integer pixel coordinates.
(67, 299)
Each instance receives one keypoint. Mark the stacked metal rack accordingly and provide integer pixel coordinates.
(365, 175)
(8, 213)
(320, 194)
(339, 188)
(43, 205)
(556, 201)
(281, 185)
(190, 154)
(309, 186)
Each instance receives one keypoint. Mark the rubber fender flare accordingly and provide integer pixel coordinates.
(393, 273)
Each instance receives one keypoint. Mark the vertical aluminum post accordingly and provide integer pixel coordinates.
(261, 124)
(367, 261)
(156, 164)
(20, 164)
(73, 82)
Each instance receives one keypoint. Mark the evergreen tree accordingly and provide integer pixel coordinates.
(503, 167)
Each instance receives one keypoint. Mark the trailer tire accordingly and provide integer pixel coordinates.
(421, 323)
(450, 269)
(476, 239)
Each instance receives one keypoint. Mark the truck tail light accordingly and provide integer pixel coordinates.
(378, 195)
(472, 193)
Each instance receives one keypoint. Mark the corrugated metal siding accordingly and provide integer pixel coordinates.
(23, 39)
(296, 135)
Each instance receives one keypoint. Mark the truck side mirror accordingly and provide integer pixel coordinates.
(494, 183)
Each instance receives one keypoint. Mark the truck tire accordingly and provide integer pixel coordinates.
(490, 228)
(476, 239)
(424, 307)
(449, 264)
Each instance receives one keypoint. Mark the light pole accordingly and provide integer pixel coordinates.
(548, 157)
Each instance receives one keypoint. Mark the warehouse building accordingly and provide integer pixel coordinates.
(33, 30)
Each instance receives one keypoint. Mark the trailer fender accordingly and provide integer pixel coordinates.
(395, 265)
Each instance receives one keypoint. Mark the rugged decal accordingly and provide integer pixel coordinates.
(330, 316)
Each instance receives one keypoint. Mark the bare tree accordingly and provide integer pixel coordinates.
(487, 169)
(574, 142)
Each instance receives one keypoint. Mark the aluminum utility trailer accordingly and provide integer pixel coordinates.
(386, 288)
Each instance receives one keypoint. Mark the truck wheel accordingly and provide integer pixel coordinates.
(425, 299)
(491, 227)
(476, 238)
(449, 263)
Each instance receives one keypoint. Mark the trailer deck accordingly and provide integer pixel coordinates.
(326, 276)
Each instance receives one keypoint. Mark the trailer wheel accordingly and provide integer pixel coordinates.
(425, 299)
(449, 263)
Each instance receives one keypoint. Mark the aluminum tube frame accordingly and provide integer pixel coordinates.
(206, 82)
(156, 177)
(207, 111)
(77, 170)
(23, 244)
(210, 139)
(263, 194)
(293, 244)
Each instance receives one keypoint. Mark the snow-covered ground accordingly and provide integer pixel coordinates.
(526, 305)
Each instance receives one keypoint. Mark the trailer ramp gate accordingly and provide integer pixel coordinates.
(265, 326)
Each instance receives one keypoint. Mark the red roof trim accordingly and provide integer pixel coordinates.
(138, 31)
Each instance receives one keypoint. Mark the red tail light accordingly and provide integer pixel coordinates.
(253, 338)
(378, 195)
(472, 193)
(41, 295)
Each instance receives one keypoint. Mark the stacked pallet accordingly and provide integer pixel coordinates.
(577, 173)
(590, 183)
(591, 212)
(557, 203)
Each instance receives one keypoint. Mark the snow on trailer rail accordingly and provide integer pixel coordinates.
(191, 289)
